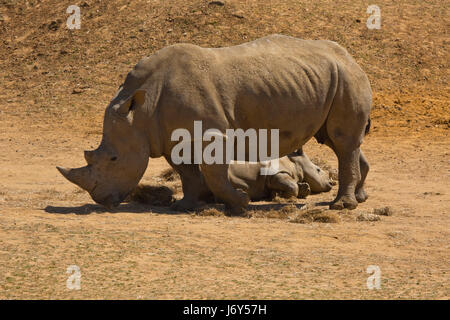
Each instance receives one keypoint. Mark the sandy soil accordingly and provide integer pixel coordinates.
(55, 84)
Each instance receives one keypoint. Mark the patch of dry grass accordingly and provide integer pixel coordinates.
(365, 216)
(385, 211)
(274, 213)
(152, 195)
(210, 211)
(294, 214)
(279, 199)
(315, 215)
(169, 175)
(290, 212)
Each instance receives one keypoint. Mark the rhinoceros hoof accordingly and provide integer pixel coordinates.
(183, 205)
(361, 195)
(345, 202)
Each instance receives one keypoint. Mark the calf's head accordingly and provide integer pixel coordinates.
(117, 165)
(318, 179)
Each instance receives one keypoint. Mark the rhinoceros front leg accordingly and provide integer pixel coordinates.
(216, 178)
(193, 185)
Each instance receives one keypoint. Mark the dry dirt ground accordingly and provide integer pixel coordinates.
(55, 83)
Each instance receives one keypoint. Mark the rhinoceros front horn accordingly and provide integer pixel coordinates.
(80, 176)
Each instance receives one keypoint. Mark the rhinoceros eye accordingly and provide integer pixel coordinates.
(113, 158)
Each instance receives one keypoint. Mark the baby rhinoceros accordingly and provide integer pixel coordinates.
(296, 176)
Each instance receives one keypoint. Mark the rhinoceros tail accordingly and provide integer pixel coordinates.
(366, 131)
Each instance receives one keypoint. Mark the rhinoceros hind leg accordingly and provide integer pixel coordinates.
(360, 193)
(216, 177)
(349, 174)
(346, 127)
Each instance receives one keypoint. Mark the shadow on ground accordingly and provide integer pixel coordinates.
(157, 199)
(132, 207)
(136, 207)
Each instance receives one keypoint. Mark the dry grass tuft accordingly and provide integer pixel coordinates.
(291, 208)
(153, 195)
(209, 212)
(385, 211)
(294, 214)
(169, 175)
(364, 216)
(274, 213)
(279, 199)
(315, 215)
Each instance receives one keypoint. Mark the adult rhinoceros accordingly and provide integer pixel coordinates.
(304, 88)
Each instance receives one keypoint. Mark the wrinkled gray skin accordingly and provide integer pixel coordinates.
(304, 88)
(296, 176)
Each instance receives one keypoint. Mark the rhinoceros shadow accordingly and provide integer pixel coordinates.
(143, 199)
(154, 199)
(134, 207)
(123, 208)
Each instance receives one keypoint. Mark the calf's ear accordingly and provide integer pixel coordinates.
(136, 100)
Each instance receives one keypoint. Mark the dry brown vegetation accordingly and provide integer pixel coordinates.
(55, 84)
(152, 195)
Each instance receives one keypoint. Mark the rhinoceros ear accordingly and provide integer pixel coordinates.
(132, 103)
